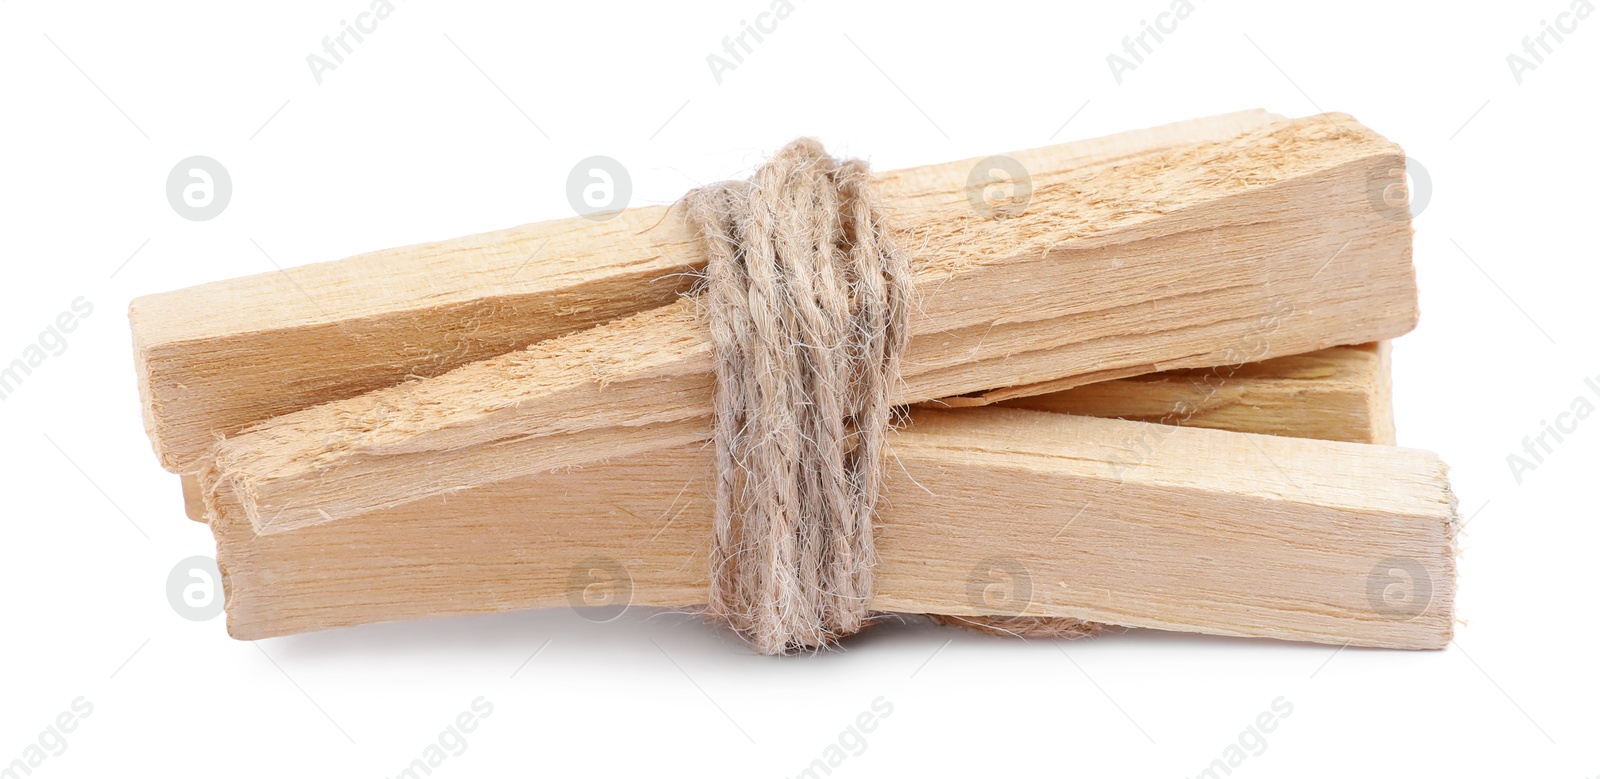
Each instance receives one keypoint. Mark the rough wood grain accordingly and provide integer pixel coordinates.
(216, 358)
(1209, 531)
(1214, 253)
(1337, 394)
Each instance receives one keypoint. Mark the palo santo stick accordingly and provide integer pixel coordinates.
(217, 358)
(1337, 394)
(194, 505)
(1210, 531)
(1216, 253)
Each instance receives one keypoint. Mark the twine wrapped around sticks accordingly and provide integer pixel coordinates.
(809, 301)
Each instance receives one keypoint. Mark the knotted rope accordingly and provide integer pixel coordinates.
(808, 300)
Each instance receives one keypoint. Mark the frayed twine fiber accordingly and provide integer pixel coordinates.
(809, 301)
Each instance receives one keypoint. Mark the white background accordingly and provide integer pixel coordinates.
(458, 118)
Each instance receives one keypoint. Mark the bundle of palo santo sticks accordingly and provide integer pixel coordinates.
(1155, 396)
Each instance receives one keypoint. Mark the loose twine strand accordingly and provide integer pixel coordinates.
(809, 300)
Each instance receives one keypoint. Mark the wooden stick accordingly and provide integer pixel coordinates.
(1337, 394)
(1207, 530)
(217, 358)
(194, 505)
(1216, 253)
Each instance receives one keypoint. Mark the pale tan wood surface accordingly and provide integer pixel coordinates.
(216, 358)
(1222, 252)
(1336, 394)
(1203, 530)
(194, 506)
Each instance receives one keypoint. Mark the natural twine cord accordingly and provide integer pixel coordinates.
(809, 301)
